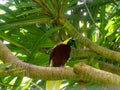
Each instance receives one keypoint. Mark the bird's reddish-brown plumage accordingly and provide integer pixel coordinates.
(60, 55)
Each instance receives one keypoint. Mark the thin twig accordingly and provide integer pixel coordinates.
(90, 14)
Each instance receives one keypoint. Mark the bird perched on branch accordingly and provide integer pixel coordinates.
(58, 57)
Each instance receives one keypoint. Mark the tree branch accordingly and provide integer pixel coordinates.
(81, 53)
(79, 72)
(95, 75)
(110, 54)
(87, 53)
(32, 70)
(109, 67)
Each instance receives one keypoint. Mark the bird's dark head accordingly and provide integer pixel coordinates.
(71, 42)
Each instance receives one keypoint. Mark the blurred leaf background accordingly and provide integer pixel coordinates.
(31, 29)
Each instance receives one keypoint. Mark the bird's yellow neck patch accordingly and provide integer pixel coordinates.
(66, 41)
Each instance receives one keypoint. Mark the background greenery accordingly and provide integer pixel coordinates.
(31, 29)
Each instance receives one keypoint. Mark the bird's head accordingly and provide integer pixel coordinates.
(70, 42)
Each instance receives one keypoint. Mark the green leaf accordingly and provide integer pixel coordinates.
(17, 82)
(40, 42)
(7, 10)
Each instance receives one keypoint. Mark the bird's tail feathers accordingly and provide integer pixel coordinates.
(53, 84)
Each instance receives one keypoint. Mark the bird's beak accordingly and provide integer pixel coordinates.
(74, 39)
